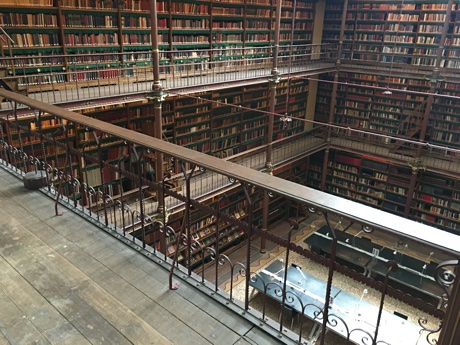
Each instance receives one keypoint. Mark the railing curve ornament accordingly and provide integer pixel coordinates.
(445, 277)
(222, 260)
(431, 337)
(367, 338)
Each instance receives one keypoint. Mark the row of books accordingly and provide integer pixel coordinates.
(35, 40)
(103, 73)
(89, 4)
(140, 22)
(28, 19)
(89, 20)
(47, 3)
(91, 38)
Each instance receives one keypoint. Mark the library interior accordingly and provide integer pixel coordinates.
(295, 161)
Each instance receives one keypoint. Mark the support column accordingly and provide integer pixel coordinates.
(416, 166)
(434, 81)
(273, 80)
(334, 96)
(157, 96)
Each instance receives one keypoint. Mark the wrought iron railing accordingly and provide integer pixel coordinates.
(66, 78)
(398, 57)
(65, 166)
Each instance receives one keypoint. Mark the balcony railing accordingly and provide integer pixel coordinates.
(382, 56)
(103, 188)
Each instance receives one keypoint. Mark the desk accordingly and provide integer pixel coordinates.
(410, 273)
(345, 251)
(406, 277)
(361, 315)
(357, 314)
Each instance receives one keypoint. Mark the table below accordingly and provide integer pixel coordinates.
(413, 274)
(306, 295)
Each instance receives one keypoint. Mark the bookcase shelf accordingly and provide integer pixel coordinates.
(374, 182)
(437, 202)
(385, 185)
(203, 228)
(79, 27)
(364, 107)
(407, 33)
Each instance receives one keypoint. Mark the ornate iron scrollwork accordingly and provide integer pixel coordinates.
(445, 278)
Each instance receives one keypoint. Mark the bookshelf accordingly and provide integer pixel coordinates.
(221, 123)
(291, 99)
(36, 39)
(376, 183)
(437, 201)
(384, 184)
(226, 122)
(192, 127)
(362, 106)
(203, 228)
(258, 24)
(54, 155)
(444, 117)
(403, 33)
(86, 44)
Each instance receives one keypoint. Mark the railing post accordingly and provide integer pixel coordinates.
(451, 328)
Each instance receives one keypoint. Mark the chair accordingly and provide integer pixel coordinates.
(400, 315)
(290, 313)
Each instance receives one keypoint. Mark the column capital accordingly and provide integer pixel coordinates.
(268, 168)
(156, 96)
(274, 79)
(416, 165)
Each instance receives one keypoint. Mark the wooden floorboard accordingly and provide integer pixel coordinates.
(65, 281)
(90, 309)
(35, 309)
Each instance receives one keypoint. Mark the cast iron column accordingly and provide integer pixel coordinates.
(434, 80)
(157, 96)
(334, 95)
(273, 80)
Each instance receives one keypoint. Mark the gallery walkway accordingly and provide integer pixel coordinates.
(65, 281)
(90, 93)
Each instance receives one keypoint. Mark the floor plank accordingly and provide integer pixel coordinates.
(65, 281)
(37, 309)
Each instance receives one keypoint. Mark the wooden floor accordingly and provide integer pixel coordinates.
(64, 281)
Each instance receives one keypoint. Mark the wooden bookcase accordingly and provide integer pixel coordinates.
(222, 122)
(403, 36)
(102, 40)
(445, 117)
(362, 106)
(384, 185)
(204, 227)
(437, 201)
(384, 31)
(226, 122)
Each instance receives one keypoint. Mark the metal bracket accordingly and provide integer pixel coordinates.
(416, 165)
(274, 79)
(156, 97)
(268, 168)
